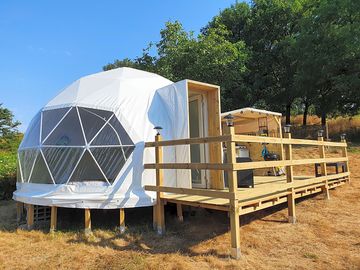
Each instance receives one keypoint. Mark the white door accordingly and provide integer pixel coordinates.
(197, 129)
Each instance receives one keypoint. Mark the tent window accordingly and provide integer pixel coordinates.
(68, 132)
(65, 156)
(62, 162)
(93, 121)
(50, 119)
(32, 135)
(87, 170)
(128, 150)
(27, 159)
(124, 137)
(40, 172)
(110, 159)
(18, 172)
(107, 136)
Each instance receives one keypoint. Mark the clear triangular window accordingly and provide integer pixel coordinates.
(110, 159)
(93, 121)
(87, 170)
(50, 119)
(124, 137)
(62, 161)
(107, 136)
(40, 173)
(27, 158)
(32, 135)
(68, 132)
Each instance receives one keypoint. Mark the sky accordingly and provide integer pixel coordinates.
(46, 45)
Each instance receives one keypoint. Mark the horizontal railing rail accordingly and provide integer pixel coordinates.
(244, 139)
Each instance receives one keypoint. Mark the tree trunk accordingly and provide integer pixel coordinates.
(306, 110)
(323, 118)
(287, 114)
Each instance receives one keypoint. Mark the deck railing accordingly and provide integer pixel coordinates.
(285, 192)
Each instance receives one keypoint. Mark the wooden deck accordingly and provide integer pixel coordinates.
(267, 192)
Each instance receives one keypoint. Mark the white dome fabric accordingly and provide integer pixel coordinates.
(85, 148)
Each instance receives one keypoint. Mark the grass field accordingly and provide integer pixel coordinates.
(327, 236)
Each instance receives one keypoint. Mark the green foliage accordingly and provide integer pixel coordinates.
(7, 123)
(8, 165)
(289, 56)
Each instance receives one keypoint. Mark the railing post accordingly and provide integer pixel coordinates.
(159, 208)
(234, 205)
(323, 167)
(290, 179)
(345, 154)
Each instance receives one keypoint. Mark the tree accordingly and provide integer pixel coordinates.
(211, 58)
(329, 69)
(269, 29)
(8, 126)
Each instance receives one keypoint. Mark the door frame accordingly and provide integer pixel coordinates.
(204, 152)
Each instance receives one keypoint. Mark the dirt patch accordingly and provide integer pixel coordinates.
(326, 236)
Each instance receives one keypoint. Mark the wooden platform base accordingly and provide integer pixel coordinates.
(268, 191)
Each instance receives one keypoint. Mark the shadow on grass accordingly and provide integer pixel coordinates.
(204, 226)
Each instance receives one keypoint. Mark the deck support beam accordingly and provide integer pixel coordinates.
(53, 219)
(179, 212)
(159, 208)
(122, 220)
(87, 221)
(290, 179)
(323, 168)
(19, 211)
(234, 203)
(30, 216)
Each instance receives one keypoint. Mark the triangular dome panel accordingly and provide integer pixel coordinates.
(32, 134)
(50, 119)
(110, 159)
(68, 132)
(40, 174)
(92, 121)
(87, 170)
(62, 162)
(27, 158)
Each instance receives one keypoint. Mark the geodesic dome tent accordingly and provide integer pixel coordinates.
(85, 148)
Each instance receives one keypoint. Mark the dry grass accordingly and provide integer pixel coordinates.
(336, 125)
(327, 236)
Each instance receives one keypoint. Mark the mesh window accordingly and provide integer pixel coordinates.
(50, 119)
(18, 173)
(40, 173)
(87, 170)
(68, 132)
(124, 137)
(110, 159)
(107, 136)
(32, 135)
(27, 158)
(128, 150)
(93, 121)
(62, 162)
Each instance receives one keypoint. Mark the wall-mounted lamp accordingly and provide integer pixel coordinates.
(287, 128)
(229, 120)
(343, 136)
(158, 129)
(320, 133)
